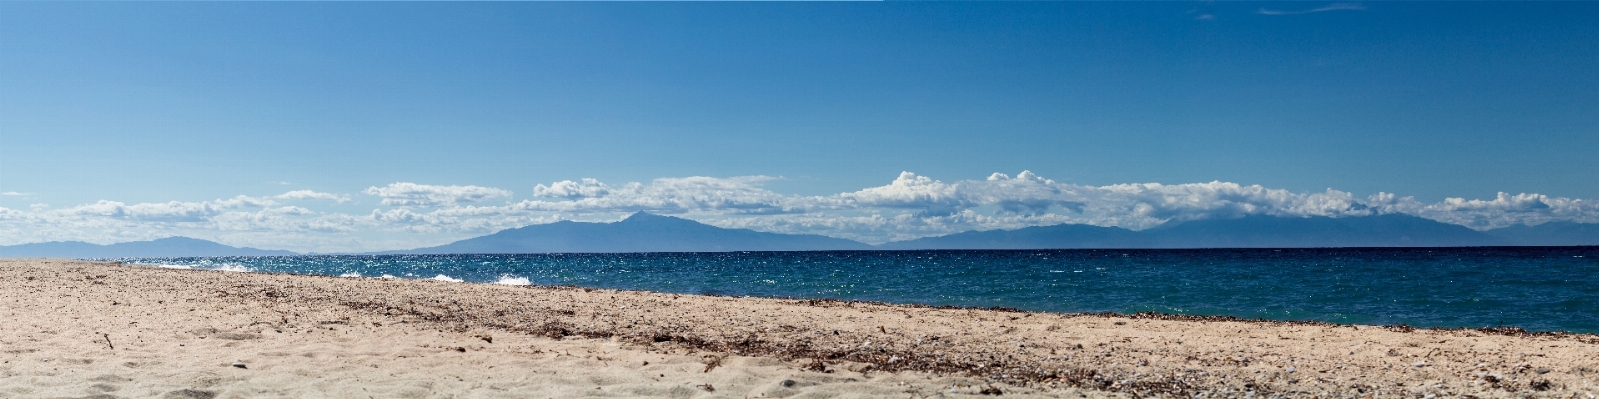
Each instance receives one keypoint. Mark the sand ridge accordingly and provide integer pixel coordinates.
(300, 336)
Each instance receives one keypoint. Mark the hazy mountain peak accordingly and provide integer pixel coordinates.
(645, 217)
(639, 232)
(175, 246)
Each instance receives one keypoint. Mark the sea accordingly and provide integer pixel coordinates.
(1534, 288)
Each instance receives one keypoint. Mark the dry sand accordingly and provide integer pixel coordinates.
(80, 329)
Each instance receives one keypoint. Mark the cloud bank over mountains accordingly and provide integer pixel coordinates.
(408, 215)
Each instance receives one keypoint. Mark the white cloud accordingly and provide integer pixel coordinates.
(173, 211)
(911, 205)
(908, 191)
(308, 194)
(423, 195)
(235, 221)
(1146, 205)
(587, 188)
(1504, 210)
(287, 219)
(908, 206)
(667, 195)
(15, 194)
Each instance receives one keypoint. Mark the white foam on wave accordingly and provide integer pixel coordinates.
(514, 280)
(233, 267)
(240, 268)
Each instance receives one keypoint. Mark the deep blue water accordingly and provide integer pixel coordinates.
(1540, 289)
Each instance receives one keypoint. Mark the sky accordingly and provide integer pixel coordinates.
(362, 126)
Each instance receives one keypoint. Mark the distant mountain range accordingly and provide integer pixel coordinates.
(644, 232)
(170, 247)
(1246, 232)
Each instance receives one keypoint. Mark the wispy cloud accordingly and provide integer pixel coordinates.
(1329, 7)
(423, 195)
(308, 194)
(15, 194)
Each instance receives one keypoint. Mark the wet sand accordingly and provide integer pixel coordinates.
(81, 329)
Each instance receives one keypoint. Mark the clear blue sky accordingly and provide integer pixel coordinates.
(155, 102)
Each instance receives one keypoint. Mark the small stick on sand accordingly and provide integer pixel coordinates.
(108, 341)
(715, 361)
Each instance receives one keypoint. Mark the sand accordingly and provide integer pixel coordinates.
(81, 329)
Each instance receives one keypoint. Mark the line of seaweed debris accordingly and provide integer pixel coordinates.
(450, 311)
(1512, 331)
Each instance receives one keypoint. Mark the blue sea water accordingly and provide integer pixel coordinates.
(1539, 289)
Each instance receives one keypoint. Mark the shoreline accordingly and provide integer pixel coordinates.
(926, 349)
(1358, 287)
(1509, 330)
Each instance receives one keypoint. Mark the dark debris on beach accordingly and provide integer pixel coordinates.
(983, 347)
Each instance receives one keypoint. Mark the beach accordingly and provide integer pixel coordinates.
(83, 329)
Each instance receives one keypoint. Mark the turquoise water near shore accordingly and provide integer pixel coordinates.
(1539, 289)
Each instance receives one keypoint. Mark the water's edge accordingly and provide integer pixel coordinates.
(1537, 289)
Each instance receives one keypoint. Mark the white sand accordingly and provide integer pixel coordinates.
(78, 329)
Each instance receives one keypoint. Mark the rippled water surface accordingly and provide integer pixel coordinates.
(1534, 288)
